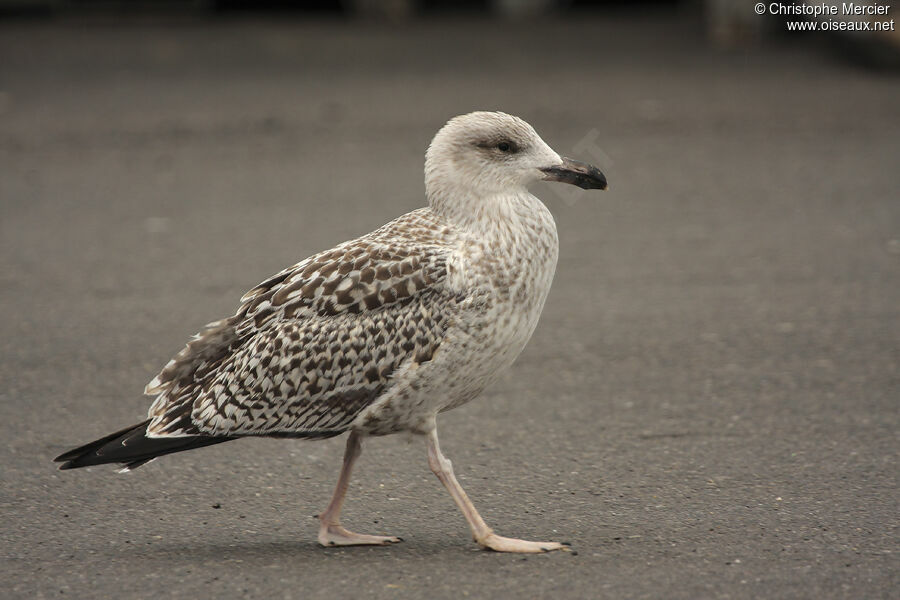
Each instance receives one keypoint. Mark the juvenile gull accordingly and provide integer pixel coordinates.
(379, 334)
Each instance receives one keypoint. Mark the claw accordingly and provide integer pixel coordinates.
(499, 543)
(331, 536)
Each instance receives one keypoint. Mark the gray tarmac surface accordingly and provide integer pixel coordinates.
(708, 409)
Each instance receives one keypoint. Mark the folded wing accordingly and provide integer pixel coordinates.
(314, 345)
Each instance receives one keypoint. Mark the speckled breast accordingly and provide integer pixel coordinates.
(512, 269)
(506, 273)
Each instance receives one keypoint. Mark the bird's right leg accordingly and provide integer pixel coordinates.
(331, 532)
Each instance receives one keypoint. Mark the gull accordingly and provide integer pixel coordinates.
(382, 333)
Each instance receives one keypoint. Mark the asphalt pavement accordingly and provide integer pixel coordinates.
(708, 408)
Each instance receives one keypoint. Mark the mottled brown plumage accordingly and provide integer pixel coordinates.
(314, 345)
(382, 333)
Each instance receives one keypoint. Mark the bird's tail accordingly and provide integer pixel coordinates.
(132, 448)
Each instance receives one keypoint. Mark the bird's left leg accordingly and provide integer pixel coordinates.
(482, 534)
(331, 532)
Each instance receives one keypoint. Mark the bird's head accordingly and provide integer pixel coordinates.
(484, 153)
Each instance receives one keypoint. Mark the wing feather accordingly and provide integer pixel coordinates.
(312, 346)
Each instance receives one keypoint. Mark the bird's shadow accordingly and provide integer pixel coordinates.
(310, 552)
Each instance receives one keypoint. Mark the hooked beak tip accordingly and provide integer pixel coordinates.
(585, 176)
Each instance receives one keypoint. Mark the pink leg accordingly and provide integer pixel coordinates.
(331, 532)
(483, 534)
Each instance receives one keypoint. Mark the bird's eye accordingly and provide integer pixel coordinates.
(504, 147)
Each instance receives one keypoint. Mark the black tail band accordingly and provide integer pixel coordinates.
(132, 448)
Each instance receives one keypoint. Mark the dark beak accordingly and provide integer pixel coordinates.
(585, 176)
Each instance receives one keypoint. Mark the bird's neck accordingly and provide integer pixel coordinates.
(477, 211)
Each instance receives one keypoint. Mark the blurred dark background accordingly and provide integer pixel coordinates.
(708, 408)
(725, 24)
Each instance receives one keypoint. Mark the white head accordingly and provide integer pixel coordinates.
(483, 154)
